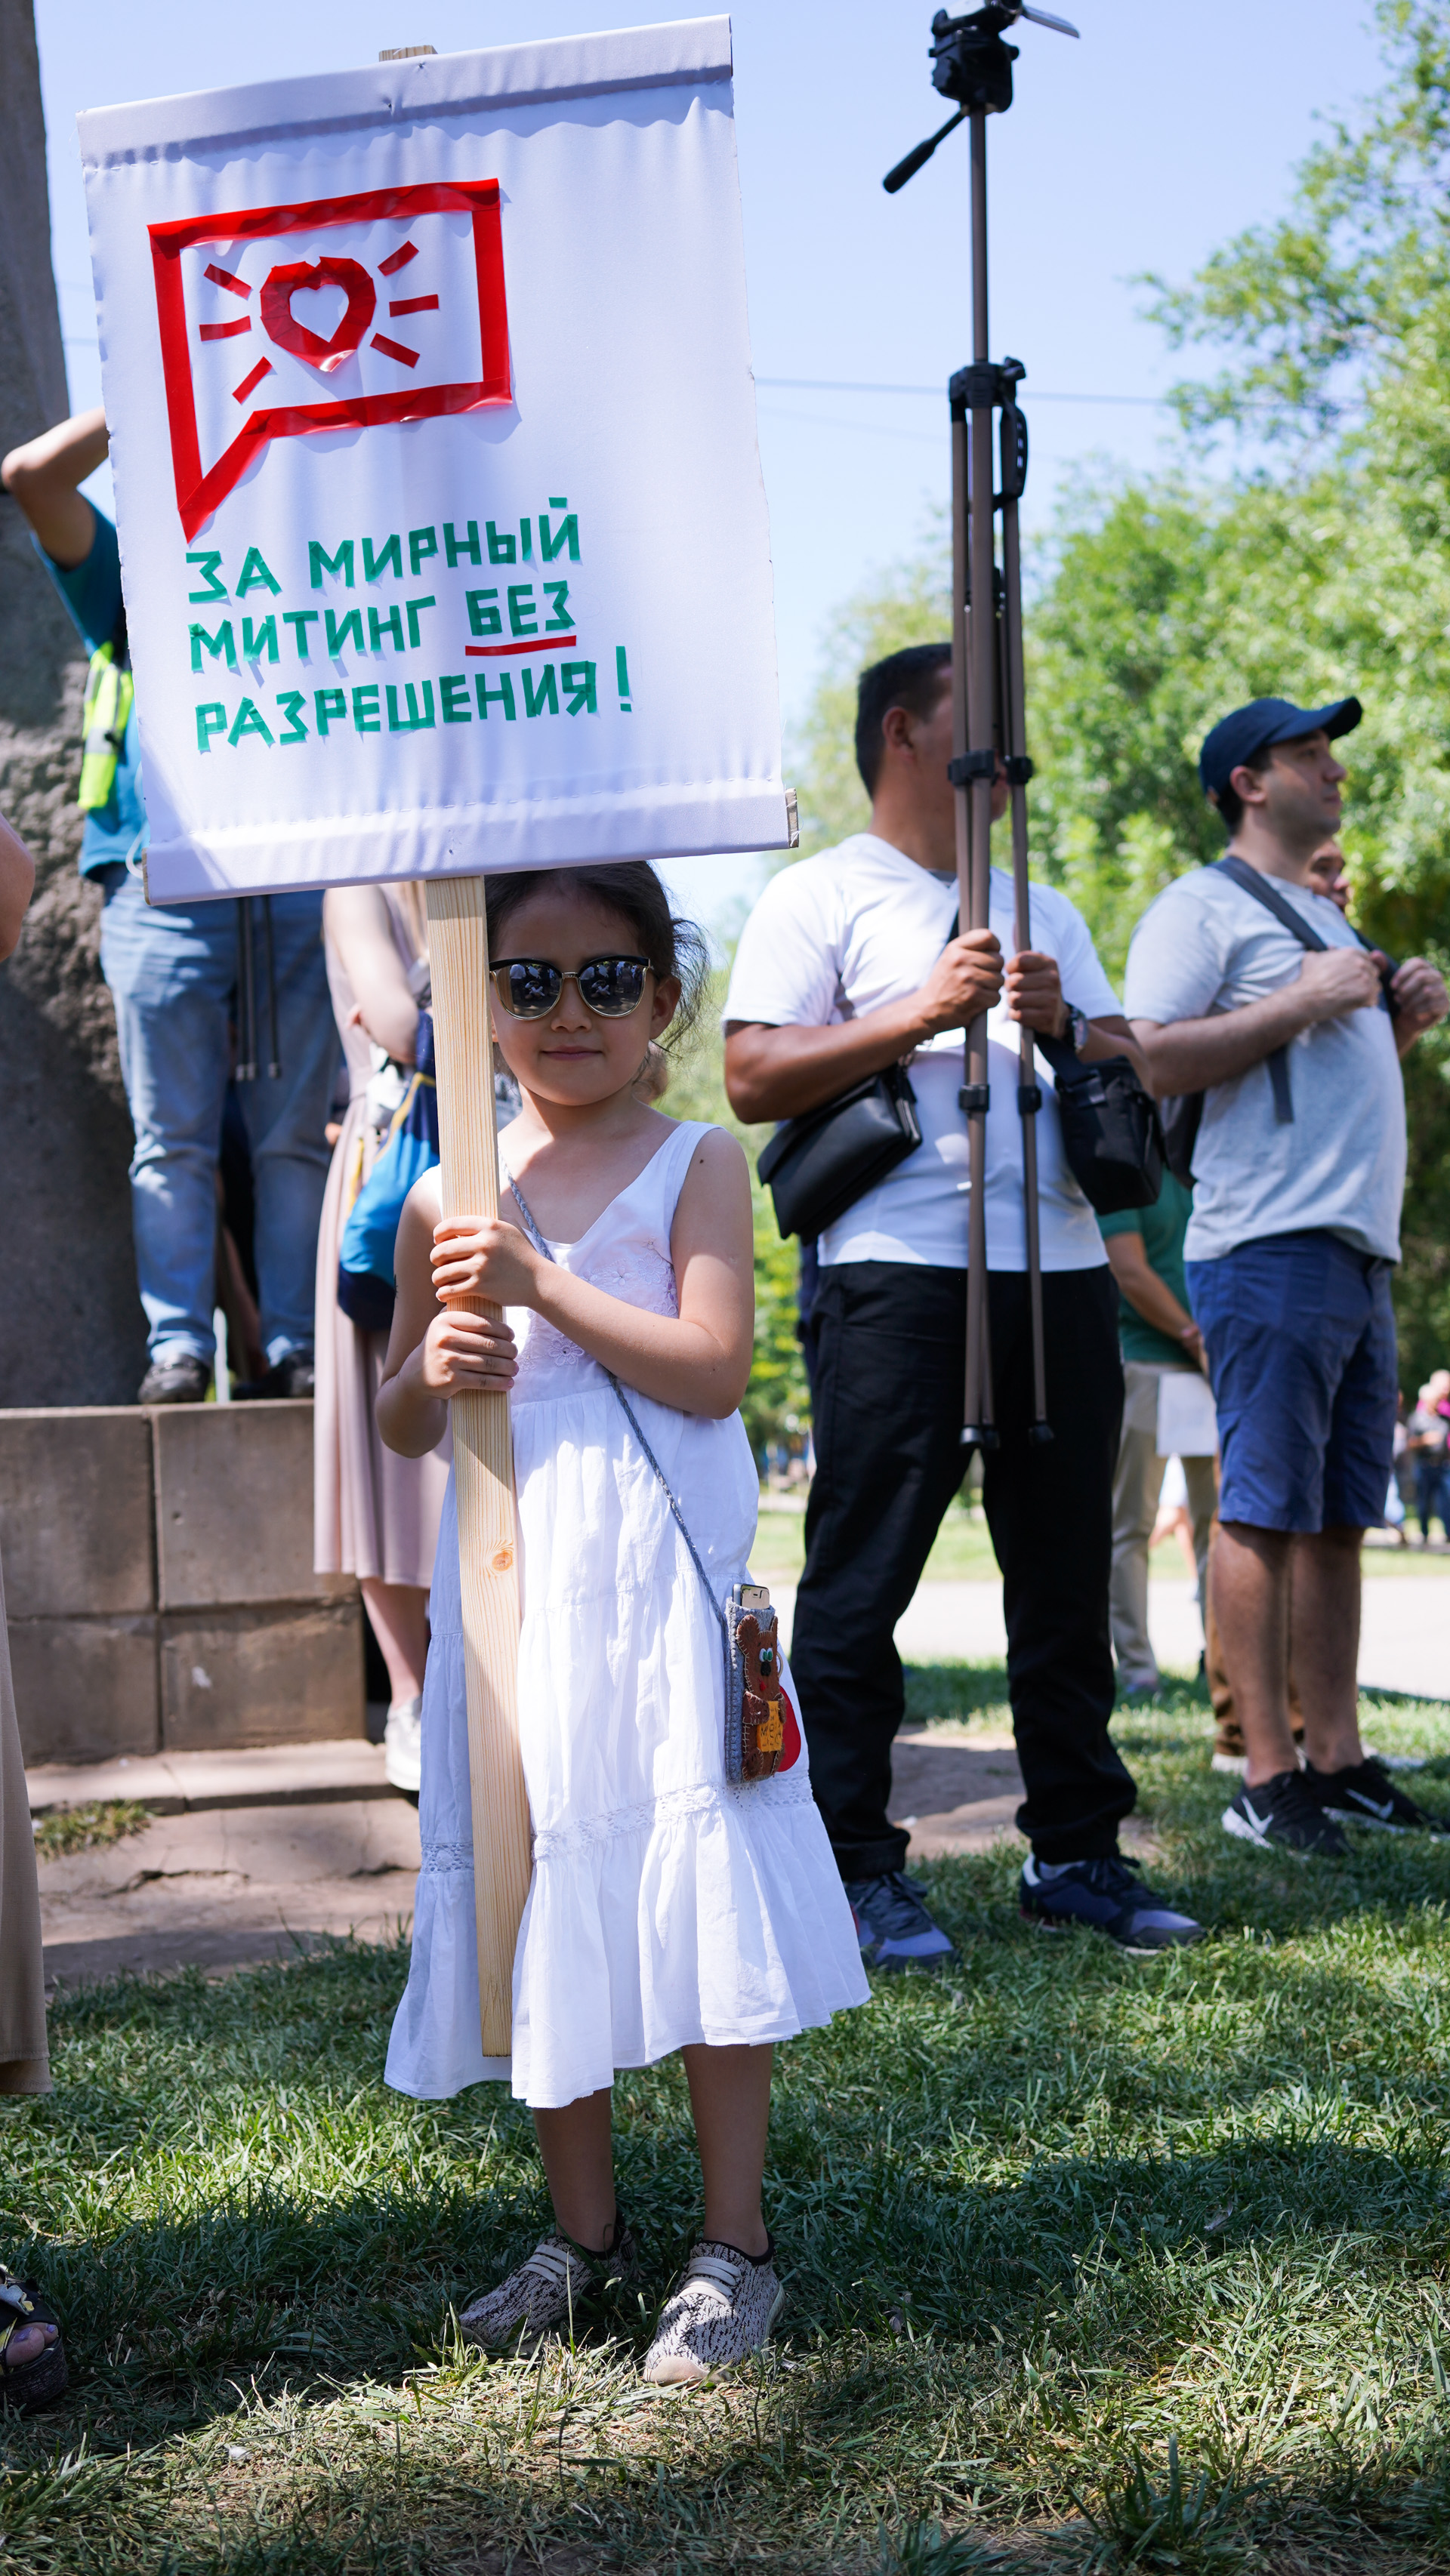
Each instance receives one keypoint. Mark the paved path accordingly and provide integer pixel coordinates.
(1404, 1642)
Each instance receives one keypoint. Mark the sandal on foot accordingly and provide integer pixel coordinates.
(549, 2293)
(27, 2385)
(720, 2311)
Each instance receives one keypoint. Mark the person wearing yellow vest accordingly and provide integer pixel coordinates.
(105, 720)
(172, 971)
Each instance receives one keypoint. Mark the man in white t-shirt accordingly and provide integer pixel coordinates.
(1299, 1170)
(847, 965)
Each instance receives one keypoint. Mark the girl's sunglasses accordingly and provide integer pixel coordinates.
(529, 987)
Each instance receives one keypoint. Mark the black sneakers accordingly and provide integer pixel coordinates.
(1364, 1794)
(1109, 1896)
(892, 1924)
(183, 1379)
(293, 1375)
(1287, 1812)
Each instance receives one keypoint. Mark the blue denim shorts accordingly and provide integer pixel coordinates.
(1301, 1350)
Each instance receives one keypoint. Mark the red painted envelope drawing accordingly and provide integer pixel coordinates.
(339, 314)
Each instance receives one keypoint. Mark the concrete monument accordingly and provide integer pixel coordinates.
(71, 1327)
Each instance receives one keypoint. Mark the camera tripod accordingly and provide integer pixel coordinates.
(973, 66)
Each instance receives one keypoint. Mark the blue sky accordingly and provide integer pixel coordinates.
(1171, 125)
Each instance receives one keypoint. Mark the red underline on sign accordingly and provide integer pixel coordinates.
(539, 644)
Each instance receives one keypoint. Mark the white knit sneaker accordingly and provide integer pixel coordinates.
(403, 1745)
(721, 2311)
(557, 2284)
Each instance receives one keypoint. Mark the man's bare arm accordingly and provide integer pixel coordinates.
(1150, 1296)
(1189, 1055)
(782, 1072)
(1035, 996)
(43, 475)
(1419, 990)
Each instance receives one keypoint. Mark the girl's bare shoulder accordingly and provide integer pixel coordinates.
(717, 1153)
(716, 1187)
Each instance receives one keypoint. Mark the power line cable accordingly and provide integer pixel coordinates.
(1031, 394)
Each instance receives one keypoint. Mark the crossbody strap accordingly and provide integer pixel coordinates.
(1250, 881)
(1263, 890)
(539, 1244)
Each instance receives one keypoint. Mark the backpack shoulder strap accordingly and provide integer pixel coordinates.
(1262, 888)
(1251, 882)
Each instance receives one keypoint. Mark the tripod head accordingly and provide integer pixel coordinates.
(971, 64)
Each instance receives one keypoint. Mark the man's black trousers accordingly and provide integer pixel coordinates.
(888, 1420)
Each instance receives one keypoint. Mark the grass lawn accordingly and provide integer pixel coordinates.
(963, 1549)
(1094, 2262)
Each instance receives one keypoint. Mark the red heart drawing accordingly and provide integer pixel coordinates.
(280, 324)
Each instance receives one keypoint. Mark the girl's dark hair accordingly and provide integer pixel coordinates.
(630, 888)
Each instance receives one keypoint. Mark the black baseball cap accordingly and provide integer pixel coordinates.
(1251, 729)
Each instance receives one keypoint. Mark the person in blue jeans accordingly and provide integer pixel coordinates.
(172, 971)
(1299, 1171)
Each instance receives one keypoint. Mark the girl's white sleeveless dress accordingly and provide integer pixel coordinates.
(665, 1907)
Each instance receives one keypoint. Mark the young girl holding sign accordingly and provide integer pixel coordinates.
(668, 1909)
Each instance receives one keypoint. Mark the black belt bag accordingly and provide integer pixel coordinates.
(1110, 1130)
(818, 1166)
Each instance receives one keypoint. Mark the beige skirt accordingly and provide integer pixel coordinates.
(374, 1514)
(24, 2051)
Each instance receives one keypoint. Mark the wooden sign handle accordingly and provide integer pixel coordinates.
(482, 1461)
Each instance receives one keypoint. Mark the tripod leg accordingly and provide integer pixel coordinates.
(980, 692)
(973, 1062)
(1014, 693)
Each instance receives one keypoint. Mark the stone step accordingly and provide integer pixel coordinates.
(175, 1784)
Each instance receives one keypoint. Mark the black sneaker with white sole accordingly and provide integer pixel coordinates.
(1364, 1794)
(1284, 1813)
(1109, 1895)
(892, 1924)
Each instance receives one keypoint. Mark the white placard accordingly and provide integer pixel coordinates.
(443, 535)
(1187, 1417)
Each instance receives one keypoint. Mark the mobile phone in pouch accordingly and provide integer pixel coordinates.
(754, 1732)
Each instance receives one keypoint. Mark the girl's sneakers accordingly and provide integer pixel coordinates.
(720, 2311)
(550, 2294)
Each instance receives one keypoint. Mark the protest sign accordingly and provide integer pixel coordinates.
(444, 549)
(442, 529)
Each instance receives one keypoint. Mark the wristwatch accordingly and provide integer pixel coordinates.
(1077, 1026)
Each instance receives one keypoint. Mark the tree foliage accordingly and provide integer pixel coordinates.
(1163, 601)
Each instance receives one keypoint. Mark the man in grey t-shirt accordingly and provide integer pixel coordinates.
(1299, 1170)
